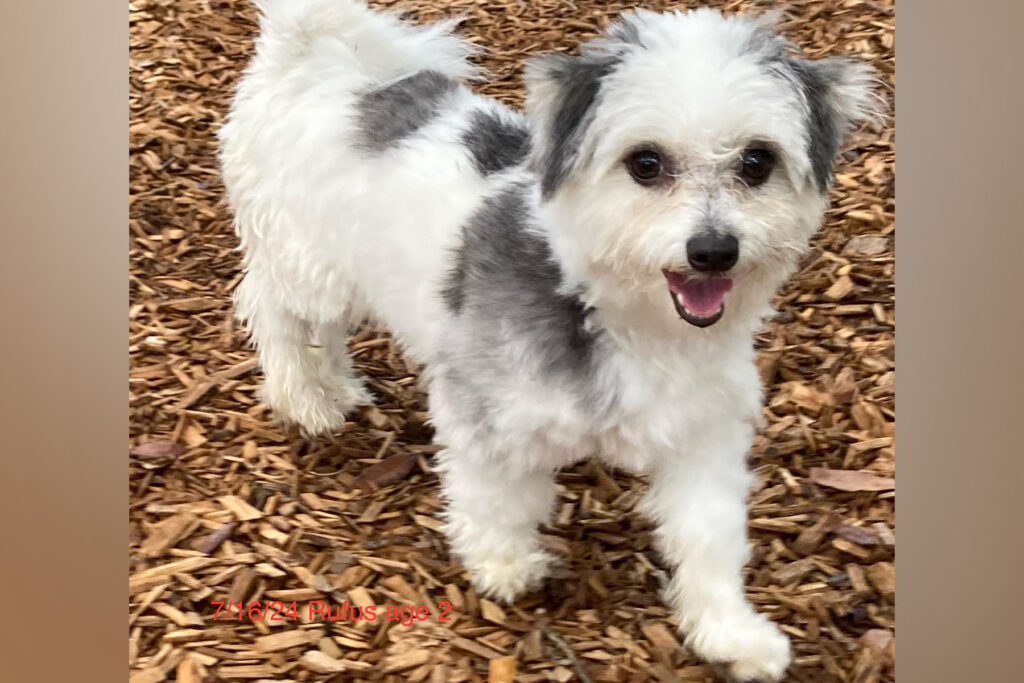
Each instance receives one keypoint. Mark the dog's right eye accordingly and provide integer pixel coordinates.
(645, 166)
(756, 165)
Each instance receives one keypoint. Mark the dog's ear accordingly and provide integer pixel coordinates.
(840, 95)
(850, 90)
(562, 94)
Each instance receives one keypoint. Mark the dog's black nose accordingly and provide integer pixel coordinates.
(713, 253)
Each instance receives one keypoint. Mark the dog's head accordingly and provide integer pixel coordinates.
(690, 153)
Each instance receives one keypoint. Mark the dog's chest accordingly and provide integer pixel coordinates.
(634, 413)
(664, 409)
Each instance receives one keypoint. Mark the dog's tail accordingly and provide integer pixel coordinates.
(347, 31)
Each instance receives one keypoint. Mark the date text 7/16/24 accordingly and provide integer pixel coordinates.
(318, 610)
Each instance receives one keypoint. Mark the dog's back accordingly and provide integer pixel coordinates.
(342, 129)
(350, 139)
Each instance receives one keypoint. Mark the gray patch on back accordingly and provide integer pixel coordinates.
(392, 113)
(626, 30)
(505, 281)
(579, 81)
(494, 142)
(765, 43)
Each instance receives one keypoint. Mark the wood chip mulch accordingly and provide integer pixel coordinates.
(228, 507)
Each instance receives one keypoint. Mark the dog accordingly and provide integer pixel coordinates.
(580, 280)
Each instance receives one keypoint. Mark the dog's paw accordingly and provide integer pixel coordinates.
(315, 409)
(746, 648)
(506, 577)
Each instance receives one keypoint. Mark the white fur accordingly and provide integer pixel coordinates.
(332, 234)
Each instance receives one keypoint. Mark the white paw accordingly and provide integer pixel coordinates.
(748, 647)
(507, 576)
(315, 409)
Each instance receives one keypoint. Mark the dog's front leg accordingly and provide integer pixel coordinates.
(494, 509)
(698, 501)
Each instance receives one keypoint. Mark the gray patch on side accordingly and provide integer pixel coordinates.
(494, 142)
(824, 130)
(579, 81)
(505, 280)
(389, 114)
(454, 288)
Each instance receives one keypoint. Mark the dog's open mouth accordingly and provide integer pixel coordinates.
(698, 300)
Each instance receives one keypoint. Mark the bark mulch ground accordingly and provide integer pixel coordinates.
(227, 507)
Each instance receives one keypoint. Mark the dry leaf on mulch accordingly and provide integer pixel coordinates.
(846, 480)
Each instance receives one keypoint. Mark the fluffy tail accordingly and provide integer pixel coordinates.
(378, 45)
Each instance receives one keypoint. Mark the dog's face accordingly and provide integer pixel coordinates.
(688, 153)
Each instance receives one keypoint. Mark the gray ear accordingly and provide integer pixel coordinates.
(561, 95)
(840, 95)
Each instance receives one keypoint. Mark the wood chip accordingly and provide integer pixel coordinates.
(166, 534)
(501, 670)
(811, 537)
(877, 639)
(793, 572)
(492, 612)
(240, 509)
(188, 671)
(149, 675)
(883, 576)
(475, 648)
(663, 640)
(150, 578)
(405, 660)
(866, 245)
(840, 289)
(320, 663)
(285, 639)
(847, 480)
(155, 450)
(858, 580)
(247, 671)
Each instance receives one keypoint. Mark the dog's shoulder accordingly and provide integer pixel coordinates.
(504, 274)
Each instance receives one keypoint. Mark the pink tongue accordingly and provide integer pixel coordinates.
(702, 297)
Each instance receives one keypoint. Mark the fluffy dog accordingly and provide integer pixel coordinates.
(582, 280)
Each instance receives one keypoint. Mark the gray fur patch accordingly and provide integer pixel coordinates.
(390, 114)
(506, 280)
(766, 44)
(579, 82)
(494, 142)
(824, 130)
(626, 30)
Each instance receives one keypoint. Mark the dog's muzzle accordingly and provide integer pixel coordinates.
(699, 297)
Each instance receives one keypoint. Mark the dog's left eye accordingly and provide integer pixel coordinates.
(645, 166)
(757, 165)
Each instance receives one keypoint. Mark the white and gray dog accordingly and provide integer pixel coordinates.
(584, 279)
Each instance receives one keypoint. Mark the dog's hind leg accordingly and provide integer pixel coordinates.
(309, 378)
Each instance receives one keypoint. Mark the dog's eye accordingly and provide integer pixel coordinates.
(757, 165)
(645, 166)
